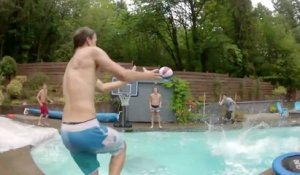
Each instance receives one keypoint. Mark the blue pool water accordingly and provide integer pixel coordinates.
(237, 152)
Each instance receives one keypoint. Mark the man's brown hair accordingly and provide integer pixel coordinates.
(81, 35)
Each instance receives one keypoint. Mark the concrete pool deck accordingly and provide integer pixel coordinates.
(20, 162)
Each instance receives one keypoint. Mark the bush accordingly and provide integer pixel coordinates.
(36, 80)
(2, 78)
(14, 88)
(26, 93)
(16, 102)
(21, 78)
(273, 108)
(32, 100)
(6, 101)
(8, 67)
(181, 95)
(280, 91)
(1, 97)
(101, 97)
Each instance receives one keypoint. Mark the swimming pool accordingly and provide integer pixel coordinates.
(236, 152)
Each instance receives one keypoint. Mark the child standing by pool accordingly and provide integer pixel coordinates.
(155, 105)
(42, 98)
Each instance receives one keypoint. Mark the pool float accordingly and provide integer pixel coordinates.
(102, 117)
(287, 164)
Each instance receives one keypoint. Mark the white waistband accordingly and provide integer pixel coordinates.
(80, 126)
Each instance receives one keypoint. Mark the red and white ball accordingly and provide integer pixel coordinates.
(166, 72)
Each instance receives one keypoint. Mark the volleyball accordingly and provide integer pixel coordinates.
(166, 72)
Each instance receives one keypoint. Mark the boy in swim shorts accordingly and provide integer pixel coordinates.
(155, 105)
(42, 98)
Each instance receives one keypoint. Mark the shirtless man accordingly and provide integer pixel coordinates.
(81, 132)
(155, 105)
(42, 98)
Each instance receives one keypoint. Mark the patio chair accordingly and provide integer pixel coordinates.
(283, 112)
(297, 106)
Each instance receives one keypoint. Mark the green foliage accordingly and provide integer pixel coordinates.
(16, 102)
(1, 97)
(8, 67)
(32, 100)
(36, 80)
(240, 39)
(116, 103)
(273, 108)
(21, 78)
(101, 97)
(14, 89)
(181, 95)
(196, 116)
(6, 101)
(64, 52)
(280, 91)
(2, 78)
(27, 93)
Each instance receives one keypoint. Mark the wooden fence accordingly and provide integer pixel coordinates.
(209, 83)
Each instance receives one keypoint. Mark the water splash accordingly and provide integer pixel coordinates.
(254, 144)
(262, 125)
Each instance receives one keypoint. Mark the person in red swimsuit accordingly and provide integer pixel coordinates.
(42, 98)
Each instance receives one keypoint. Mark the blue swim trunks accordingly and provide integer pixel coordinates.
(85, 140)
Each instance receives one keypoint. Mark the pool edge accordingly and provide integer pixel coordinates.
(19, 161)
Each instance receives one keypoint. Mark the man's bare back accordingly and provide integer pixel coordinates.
(80, 81)
(79, 87)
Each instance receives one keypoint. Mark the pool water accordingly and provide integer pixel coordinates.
(236, 152)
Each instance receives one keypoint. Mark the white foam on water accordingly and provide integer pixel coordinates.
(15, 134)
(241, 151)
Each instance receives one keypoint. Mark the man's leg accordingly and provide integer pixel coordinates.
(158, 119)
(152, 119)
(95, 173)
(227, 117)
(116, 162)
(231, 117)
(40, 120)
(46, 118)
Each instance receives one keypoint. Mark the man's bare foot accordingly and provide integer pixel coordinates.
(151, 127)
(40, 124)
(160, 126)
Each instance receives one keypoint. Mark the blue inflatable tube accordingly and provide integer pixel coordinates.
(102, 117)
(287, 164)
